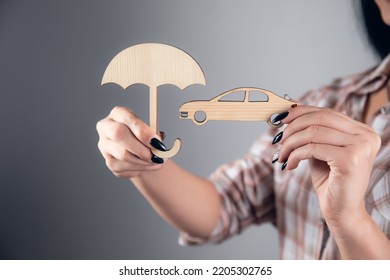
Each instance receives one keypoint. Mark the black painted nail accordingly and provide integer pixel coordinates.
(284, 165)
(277, 138)
(275, 157)
(279, 117)
(157, 159)
(157, 144)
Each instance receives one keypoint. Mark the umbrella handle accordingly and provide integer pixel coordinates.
(169, 153)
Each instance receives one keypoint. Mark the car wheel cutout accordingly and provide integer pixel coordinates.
(200, 117)
(274, 125)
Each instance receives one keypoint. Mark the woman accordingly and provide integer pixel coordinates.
(328, 195)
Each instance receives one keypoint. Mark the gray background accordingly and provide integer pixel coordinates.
(57, 198)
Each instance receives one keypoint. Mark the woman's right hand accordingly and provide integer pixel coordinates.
(124, 141)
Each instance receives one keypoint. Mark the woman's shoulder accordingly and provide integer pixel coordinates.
(328, 95)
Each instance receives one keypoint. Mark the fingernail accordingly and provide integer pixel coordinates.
(287, 97)
(162, 135)
(157, 159)
(294, 105)
(276, 156)
(284, 165)
(279, 117)
(157, 144)
(277, 138)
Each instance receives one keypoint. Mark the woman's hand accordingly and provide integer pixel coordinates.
(124, 142)
(341, 153)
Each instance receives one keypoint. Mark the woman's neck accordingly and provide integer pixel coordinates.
(375, 101)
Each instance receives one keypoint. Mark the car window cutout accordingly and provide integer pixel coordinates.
(235, 96)
(257, 96)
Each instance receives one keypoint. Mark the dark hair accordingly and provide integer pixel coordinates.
(378, 32)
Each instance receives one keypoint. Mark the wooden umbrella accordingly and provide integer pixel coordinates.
(154, 64)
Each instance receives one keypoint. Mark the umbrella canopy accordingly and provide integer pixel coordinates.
(153, 64)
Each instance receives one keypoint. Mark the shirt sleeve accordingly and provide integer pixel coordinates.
(246, 190)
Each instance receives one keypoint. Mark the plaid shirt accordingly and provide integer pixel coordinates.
(254, 191)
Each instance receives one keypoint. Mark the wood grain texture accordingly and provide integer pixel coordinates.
(153, 64)
(246, 110)
(170, 153)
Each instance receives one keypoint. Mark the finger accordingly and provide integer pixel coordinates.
(325, 118)
(120, 153)
(306, 109)
(138, 127)
(322, 152)
(314, 134)
(126, 174)
(162, 135)
(121, 134)
(301, 110)
(118, 166)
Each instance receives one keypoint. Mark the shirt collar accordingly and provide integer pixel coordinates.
(373, 79)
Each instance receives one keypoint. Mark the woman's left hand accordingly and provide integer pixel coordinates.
(341, 154)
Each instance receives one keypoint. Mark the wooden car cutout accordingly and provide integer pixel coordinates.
(248, 104)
